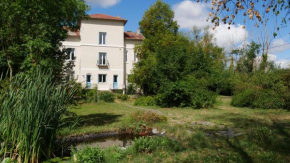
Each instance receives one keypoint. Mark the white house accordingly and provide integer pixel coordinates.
(102, 52)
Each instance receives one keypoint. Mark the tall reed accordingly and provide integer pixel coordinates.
(30, 114)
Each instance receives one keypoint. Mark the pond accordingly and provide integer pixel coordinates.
(124, 140)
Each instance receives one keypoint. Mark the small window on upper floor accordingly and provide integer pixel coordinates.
(70, 54)
(102, 38)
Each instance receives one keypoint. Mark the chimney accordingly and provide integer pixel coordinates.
(138, 31)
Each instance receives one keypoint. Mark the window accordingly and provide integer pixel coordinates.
(135, 57)
(102, 78)
(70, 54)
(102, 58)
(102, 38)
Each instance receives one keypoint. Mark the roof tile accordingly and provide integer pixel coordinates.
(133, 36)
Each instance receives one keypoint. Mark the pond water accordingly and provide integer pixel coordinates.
(124, 140)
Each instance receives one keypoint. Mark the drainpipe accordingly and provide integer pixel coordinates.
(125, 69)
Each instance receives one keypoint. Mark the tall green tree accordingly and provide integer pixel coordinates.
(31, 32)
(160, 30)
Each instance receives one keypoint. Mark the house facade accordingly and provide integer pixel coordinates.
(102, 52)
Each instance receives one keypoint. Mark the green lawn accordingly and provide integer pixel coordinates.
(259, 135)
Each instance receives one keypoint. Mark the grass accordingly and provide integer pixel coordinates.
(265, 134)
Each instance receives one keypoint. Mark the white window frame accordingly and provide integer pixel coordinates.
(101, 78)
(102, 58)
(102, 38)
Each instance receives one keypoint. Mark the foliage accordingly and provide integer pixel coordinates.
(251, 10)
(89, 155)
(247, 58)
(262, 90)
(30, 114)
(147, 117)
(151, 144)
(122, 97)
(32, 31)
(131, 90)
(7, 160)
(107, 96)
(80, 93)
(157, 26)
(167, 59)
(114, 155)
(92, 95)
(145, 101)
(189, 92)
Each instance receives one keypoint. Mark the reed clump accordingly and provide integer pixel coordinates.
(30, 111)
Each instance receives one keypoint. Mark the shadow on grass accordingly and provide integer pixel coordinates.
(99, 119)
(240, 150)
(270, 137)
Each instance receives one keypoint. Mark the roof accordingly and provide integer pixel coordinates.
(73, 33)
(107, 17)
(133, 36)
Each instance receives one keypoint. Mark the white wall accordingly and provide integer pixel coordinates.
(130, 45)
(87, 49)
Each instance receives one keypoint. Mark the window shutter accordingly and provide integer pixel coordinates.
(100, 58)
(100, 38)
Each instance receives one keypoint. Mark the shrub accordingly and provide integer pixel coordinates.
(107, 96)
(85, 95)
(131, 90)
(29, 129)
(122, 97)
(244, 98)
(92, 95)
(266, 91)
(88, 155)
(187, 93)
(145, 101)
(148, 117)
(151, 144)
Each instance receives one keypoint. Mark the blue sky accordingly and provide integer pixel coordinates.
(189, 13)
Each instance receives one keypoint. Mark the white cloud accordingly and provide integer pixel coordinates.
(283, 63)
(189, 14)
(279, 45)
(103, 3)
(272, 57)
(229, 39)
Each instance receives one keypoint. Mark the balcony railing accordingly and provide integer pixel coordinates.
(102, 64)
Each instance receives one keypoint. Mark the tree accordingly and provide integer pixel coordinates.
(225, 11)
(160, 30)
(175, 68)
(31, 32)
